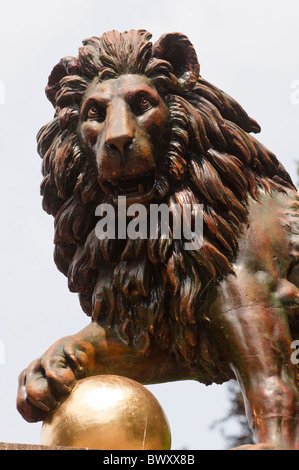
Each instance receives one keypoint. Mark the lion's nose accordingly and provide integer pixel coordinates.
(120, 142)
(119, 132)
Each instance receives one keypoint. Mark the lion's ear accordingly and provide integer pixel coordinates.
(178, 50)
(67, 65)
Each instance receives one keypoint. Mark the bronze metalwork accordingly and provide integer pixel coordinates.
(108, 412)
(136, 119)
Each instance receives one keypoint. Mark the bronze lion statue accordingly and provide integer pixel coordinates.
(135, 119)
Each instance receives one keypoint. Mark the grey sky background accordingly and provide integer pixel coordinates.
(249, 49)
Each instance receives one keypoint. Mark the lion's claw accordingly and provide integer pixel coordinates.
(31, 412)
(46, 380)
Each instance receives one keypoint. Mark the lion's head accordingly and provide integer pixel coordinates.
(136, 119)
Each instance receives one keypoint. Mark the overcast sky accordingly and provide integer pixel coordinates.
(249, 49)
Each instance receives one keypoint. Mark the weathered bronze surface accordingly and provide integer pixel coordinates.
(108, 412)
(136, 119)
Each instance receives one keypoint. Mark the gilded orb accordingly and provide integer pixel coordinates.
(108, 412)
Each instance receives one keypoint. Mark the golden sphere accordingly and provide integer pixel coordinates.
(108, 412)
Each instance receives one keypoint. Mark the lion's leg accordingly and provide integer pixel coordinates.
(104, 352)
(254, 338)
(91, 351)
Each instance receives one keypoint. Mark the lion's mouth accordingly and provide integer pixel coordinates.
(137, 188)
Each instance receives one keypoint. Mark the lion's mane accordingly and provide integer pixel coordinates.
(153, 288)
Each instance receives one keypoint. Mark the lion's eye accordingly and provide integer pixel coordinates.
(144, 103)
(140, 105)
(96, 113)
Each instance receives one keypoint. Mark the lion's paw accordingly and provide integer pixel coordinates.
(49, 378)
